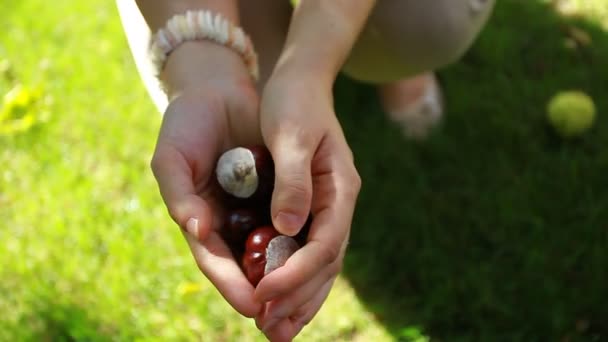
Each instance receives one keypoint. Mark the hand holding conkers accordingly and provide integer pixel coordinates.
(265, 251)
(246, 174)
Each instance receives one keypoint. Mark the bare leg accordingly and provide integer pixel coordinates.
(266, 22)
(403, 43)
(414, 103)
(138, 36)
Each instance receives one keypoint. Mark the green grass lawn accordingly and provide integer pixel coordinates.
(492, 230)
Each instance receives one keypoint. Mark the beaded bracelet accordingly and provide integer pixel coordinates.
(199, 25)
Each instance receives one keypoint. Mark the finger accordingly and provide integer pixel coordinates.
(326, 242)
(174, 177)
(283, 331)
(310, 309)
(217, 263)
(289, 328)
(292, 153)
(285, 306)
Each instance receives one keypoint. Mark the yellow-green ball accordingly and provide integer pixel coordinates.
(571, 113)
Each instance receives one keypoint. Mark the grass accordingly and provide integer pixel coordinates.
(493, 230)
(88, 251)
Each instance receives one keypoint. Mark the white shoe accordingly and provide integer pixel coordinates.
(419, 118)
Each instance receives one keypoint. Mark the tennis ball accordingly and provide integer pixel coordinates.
(571, 113)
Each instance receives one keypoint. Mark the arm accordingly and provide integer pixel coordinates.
(319, 40)
(208, 84)
(193, 62)
(321, 35)
(157, 12)
(314, 167)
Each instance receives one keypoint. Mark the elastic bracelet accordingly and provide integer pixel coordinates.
(202, 25)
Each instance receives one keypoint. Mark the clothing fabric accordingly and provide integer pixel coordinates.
(403, 38)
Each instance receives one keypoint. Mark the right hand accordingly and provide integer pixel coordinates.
(315, 173)
(213, 107)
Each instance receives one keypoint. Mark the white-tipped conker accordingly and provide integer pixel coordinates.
(265, 251)
(236, 172)
(278, 251)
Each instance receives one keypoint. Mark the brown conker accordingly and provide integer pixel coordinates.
(253, 266)
(265, 251)
(245, 176)
(258, 240)
(265, 168)
(239, 223)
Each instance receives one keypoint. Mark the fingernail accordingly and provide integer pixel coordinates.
(192, 227)
(289, 223)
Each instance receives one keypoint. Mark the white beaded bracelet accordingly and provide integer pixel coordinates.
(199, 25)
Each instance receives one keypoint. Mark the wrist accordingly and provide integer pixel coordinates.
(297, 95)
(196, 64)
(300, 84)
(321, 35)
(307, 71)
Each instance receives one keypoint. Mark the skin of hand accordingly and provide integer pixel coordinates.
(314, 166)
(197, 128)
(212, 108)
(315, 173)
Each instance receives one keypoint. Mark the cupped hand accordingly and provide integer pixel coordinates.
(200, 123)
(315, 173)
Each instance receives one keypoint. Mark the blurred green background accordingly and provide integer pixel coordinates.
(492, 230)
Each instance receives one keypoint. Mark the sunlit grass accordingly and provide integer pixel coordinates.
(88, 250)
(592, 9)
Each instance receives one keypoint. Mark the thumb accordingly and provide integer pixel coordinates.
(174, 176)
(292, 195)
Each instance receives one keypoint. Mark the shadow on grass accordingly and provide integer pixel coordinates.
(55, 319)
(494, 229)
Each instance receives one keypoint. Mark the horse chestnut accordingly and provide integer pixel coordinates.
(265, 251)
(245, 171)
(239, 223)
(246, 175)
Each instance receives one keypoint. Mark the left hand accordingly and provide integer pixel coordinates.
(315, 173)
(214, 107)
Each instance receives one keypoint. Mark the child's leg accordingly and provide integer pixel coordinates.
(266, 22)
(403, 43)
(404, 38)
(414, 103)
(138, 37)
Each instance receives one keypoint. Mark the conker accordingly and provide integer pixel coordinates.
(265, 168)
(258, 239)
(265, 251)
(245, 176)
(253, 266)
(246, 171)
(239, 223)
